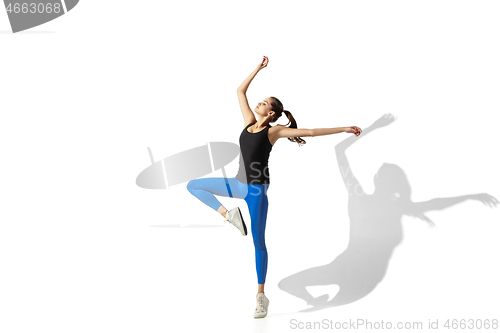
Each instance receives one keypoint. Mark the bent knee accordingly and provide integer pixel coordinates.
(190, 186)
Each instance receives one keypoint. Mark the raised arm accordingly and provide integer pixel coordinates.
(345, 168)
(351, 183)
(248, 115)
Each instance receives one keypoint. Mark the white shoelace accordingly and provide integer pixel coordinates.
(228, 220)
(260, 304)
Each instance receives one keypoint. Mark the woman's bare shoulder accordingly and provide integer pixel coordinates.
(275, 127)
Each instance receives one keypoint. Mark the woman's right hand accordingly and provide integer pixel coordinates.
(263, 63)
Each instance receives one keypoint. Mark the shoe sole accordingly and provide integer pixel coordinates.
(242, 222)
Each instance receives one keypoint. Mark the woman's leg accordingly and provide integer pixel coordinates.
(205, 188)
(257, 202)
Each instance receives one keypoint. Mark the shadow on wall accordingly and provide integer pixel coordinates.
(375, 230)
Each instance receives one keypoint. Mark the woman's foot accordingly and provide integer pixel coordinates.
(262, 306)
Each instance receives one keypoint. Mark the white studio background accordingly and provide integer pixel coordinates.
(83, 248)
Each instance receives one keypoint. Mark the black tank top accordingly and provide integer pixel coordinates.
(254, 157)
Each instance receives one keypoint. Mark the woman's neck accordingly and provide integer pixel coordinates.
(260, 124)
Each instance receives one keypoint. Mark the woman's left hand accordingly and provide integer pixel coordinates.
(354, 130)
(263, 63)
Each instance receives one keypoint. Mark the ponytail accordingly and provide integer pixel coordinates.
(277, 107)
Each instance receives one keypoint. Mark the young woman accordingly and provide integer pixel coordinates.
(252, 180)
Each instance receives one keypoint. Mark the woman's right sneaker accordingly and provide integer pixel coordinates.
(262, 306)
(234, 217)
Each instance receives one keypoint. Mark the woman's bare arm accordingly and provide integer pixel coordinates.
(244, 86)
(248, 116)
(327, 131)
(287, 132)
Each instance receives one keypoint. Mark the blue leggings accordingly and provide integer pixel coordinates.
(255, 196)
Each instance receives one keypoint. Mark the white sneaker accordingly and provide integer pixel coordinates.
(262, 306)
(234, 217)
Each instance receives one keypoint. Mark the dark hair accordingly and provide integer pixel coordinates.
(277, 107)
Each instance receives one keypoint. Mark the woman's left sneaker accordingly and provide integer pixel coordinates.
(262, 306)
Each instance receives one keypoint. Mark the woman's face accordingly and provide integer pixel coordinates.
(263, 108)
